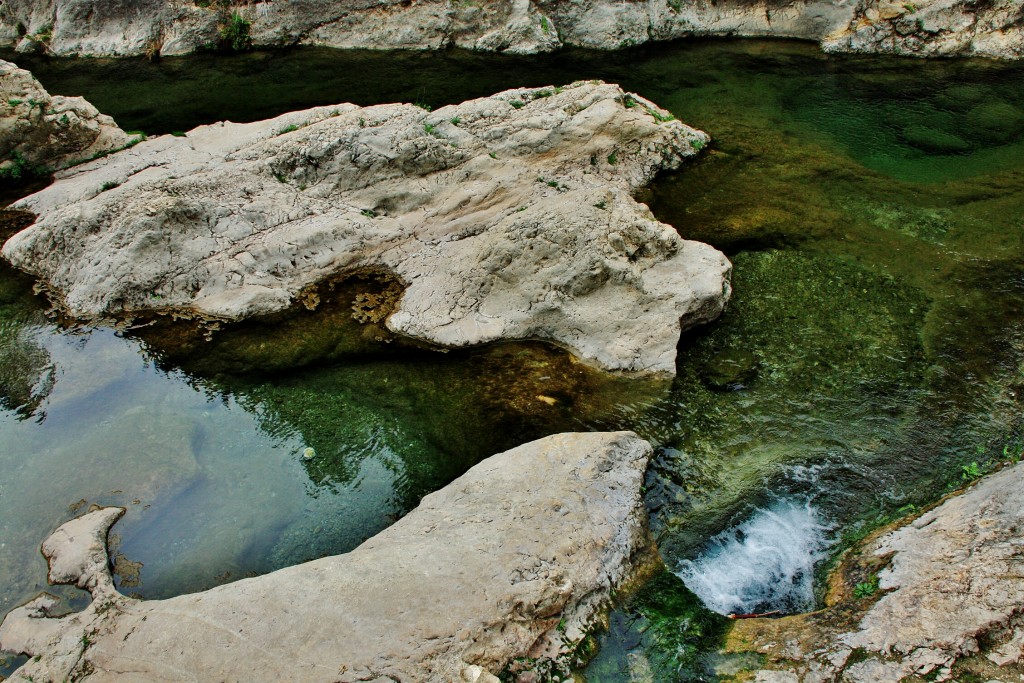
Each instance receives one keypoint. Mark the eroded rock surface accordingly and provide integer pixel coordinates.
(41, 133)
(507, 217)
(514, 559)
(952, 590)
(169, 27)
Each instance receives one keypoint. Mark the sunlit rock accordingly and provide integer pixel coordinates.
(504, 218)
(515, 560)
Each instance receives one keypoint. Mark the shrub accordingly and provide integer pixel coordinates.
(235, 33)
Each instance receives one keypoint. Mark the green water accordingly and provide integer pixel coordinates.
(874, 212)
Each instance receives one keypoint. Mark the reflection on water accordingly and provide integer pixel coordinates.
(874, 210)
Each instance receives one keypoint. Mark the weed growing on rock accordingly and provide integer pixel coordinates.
(235, 34)
(866, 589)
(970, 472)
(612, 159)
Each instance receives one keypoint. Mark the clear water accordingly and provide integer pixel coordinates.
(872, 346)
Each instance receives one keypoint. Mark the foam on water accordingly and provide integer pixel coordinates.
(765, 563)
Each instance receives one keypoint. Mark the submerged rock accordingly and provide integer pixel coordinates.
(506, 217)
(40, 133)
(515, 559)
(164, 27)
(948, 591)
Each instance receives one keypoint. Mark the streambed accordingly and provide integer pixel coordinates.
(874, 212)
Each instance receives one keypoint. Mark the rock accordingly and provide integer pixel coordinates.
(500, 564)
(77, 552)
(952, 590)
(41, 133)
(165, 27)
(934, 27)
(507, 217)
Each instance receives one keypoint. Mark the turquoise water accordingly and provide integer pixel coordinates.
(874, 212)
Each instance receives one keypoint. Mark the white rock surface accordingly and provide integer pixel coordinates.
(47, 132)
(169, 27)
(516, 558)
(507, 217)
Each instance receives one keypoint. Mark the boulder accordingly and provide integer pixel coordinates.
(40, 133)
(503, 218)
(515, 560)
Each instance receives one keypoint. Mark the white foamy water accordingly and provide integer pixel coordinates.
(766, 563)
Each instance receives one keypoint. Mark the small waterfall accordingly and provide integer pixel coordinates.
(765, 563)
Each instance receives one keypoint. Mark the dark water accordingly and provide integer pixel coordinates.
(874, 211)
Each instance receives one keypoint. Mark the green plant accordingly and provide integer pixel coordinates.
(109, 185)
(369, 213)
(544, 25)
(866, 589)
(429, 128)
(629, 101)
(612, 159)
(455, 120)
(422, 105)
(659, 117)
(17, 169)
(517, 104)
(552, 183)
(288, 129)
(13, 102)
(910, 7)
(697, 144)
(178, 133)
(603, 205)
(675, 5)
(235, 34)
(970, 472)
(492, 155)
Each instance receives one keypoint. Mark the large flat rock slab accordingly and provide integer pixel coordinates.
(504, 218)
(515, 559)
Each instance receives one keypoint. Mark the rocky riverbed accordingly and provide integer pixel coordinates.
(174, 27)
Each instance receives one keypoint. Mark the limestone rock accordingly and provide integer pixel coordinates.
(43, 132)
(510, 560)
(934, 27)
(507, 217)
(953, 589)
(170, 27)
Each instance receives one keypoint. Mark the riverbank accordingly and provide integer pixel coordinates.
(163, 28)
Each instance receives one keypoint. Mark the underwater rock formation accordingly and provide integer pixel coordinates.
(508, 217)
(40, 133)
(516, 559)
(170, 27)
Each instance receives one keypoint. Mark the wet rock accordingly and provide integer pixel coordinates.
(507, 217)
(40, 133)
(995, 122)
(949, 590)
(522, 552)
(934, 141)
(730, 369)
